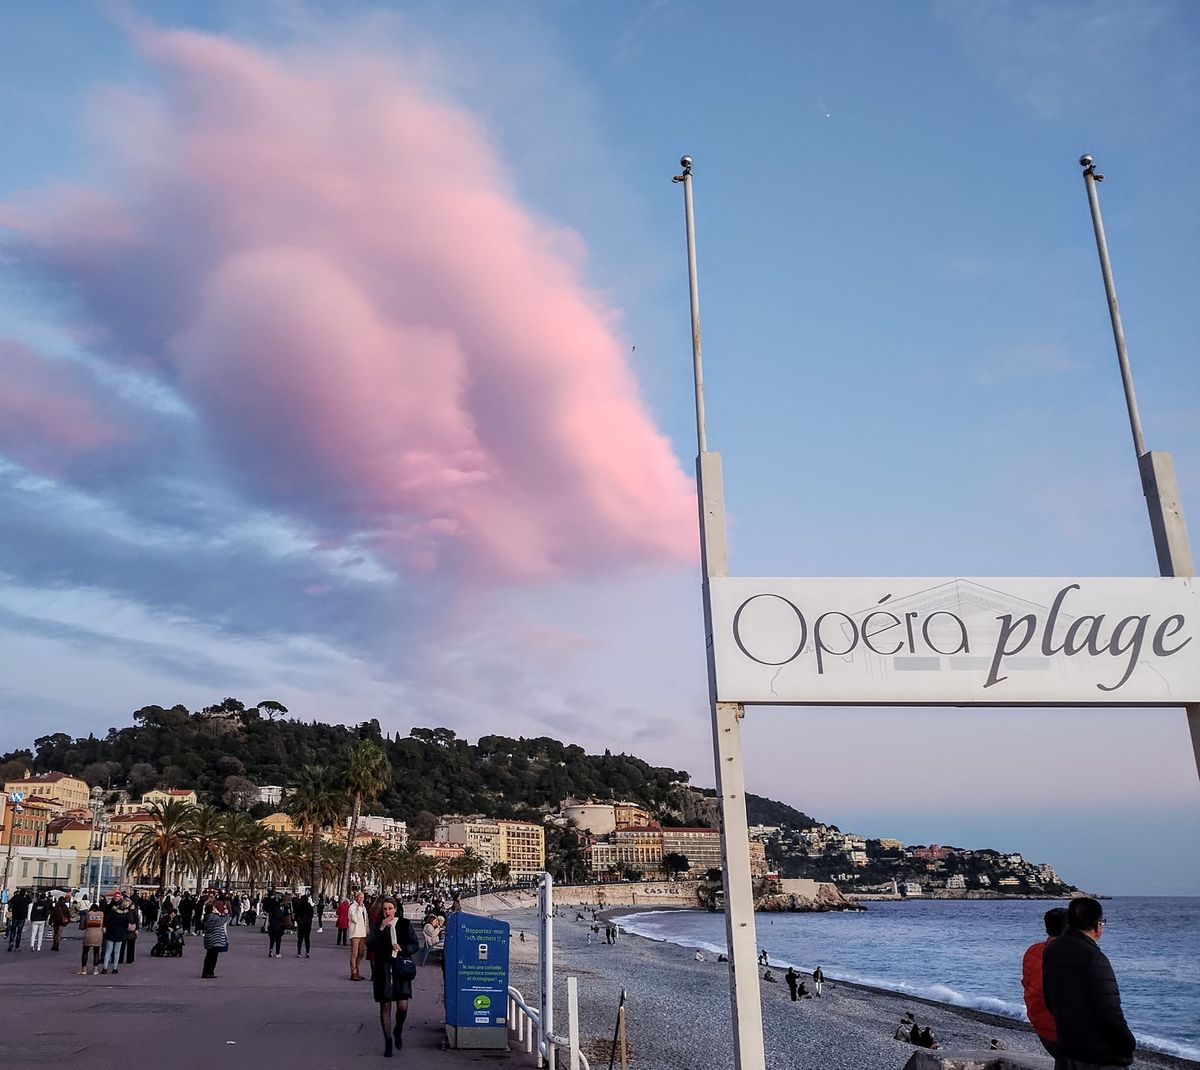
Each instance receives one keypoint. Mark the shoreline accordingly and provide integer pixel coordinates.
(850, 1028)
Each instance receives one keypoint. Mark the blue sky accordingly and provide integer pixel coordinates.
(908, 361)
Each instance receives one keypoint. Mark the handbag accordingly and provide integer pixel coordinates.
(406, 969)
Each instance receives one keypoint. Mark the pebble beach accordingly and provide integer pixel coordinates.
(678, 1009)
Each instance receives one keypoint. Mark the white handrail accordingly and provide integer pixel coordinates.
(524, 1019)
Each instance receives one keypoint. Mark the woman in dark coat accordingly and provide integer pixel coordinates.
(392, 944)
(274, 915)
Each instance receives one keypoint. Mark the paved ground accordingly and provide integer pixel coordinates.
(289, 1013)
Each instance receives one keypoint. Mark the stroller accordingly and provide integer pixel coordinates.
(170, 943)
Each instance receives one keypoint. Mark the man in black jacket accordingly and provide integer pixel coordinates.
(1082, 995)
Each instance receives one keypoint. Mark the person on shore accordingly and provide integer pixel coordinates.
(1081, 994)
(216, 936)
(303, 910)
(343, 921)
(793, 979)
(60, 918)
(322, 906)
(393, 945)
(92, 921)
(358, 920)
(1031, 980)
(818, 980)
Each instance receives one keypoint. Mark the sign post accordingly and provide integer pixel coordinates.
(476, 982)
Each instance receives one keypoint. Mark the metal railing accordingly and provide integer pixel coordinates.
(524, 1020)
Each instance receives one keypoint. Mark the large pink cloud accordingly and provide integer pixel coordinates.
(331, 267)
(48, 415)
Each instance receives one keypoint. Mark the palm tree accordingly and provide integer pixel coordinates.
(368, 775)
(209, 840)
(244, 842)
(316, 803)
(153, 843)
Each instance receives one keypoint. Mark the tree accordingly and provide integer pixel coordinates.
(271, 708)
(675, 863)
(240, 793)
(500, 872)
(368, 775)
(421, 826)
(207, 842)
(142, 777)
(316, 803)
(153, 843)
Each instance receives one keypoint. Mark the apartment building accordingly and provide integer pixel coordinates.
(481, 835)
(523, 848)
(391, 833)
(701, 847)
(639, 848)
(62, 791)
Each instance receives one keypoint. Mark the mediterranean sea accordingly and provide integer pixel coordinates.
(968, 953)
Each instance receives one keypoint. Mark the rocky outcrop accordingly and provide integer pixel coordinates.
(808, 896)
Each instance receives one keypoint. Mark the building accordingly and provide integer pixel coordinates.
(598, 818)
(280, 822)
(29, 827)
(701, 847)
(602, 858)
(910, 889)
(162, 796)
(629, 815)
(758, 859)
(481, 835)
(40, 867)
(639, 848)
(522, 848)
(391, 833)
(956, 882)
(271, 794)
(64, 792)
(441, 850)
(763, 832)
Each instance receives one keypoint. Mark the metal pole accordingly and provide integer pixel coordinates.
(744, 995)
(694, 294)
(1155, 467)
(87, 882)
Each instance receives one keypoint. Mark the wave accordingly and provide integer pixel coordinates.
(1168, 1047)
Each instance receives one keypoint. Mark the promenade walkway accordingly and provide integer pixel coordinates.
(288, 1013)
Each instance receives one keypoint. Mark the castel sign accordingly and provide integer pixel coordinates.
(959, 642)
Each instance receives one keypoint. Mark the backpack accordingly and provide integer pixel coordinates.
(95, 919)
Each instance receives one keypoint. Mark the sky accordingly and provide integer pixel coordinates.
(345, 360)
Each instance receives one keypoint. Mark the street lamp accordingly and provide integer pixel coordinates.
(97, 807)
(15, 809)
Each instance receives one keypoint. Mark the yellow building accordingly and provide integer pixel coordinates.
(482, 836)
(639, 848)
(701, 847)
(62, 791)
(162, 796)
(627, 815)
(523, 848)
(280, 822)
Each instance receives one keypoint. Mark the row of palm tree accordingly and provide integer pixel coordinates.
(223, 848)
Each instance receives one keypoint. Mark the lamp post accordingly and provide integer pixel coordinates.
(15, 809)
(96, 806)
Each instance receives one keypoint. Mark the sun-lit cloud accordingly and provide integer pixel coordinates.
(330, 269)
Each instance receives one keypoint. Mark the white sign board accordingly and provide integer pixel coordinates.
(956, 642)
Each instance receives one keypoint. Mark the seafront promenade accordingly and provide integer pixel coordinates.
(289, 1013)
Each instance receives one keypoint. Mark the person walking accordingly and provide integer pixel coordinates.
(273, 918)
(60, 918)
(1081, 994)
(1039, 1016)
(92, 921)
(818, 980)
(393, 945)
(343, 921)
(39, 915)
(18, 914)
(116, 928)
(303, 911)
(358, 920)
(216, 935)
(322, 906)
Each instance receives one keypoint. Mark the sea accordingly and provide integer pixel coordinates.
(968, 953)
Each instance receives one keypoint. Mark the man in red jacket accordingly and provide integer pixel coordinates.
(1031, 980)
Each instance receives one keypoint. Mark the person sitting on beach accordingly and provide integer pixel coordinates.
(700, 956)
(769, 976)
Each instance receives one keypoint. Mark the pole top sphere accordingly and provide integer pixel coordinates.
(1086, 161)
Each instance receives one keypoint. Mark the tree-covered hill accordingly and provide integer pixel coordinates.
(226, 749)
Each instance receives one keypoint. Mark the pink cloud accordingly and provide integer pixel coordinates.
(331, 267)
(47, 415)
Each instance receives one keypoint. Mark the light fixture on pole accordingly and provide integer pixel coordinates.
(15, 809)
(96, 805)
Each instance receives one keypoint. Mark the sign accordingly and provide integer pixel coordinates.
(16, 796)
(476, 986)
(956, 642)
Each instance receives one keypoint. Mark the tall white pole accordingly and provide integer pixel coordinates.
(744, 995)
(1157, 470)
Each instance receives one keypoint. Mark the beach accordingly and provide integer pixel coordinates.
(678, 1009)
